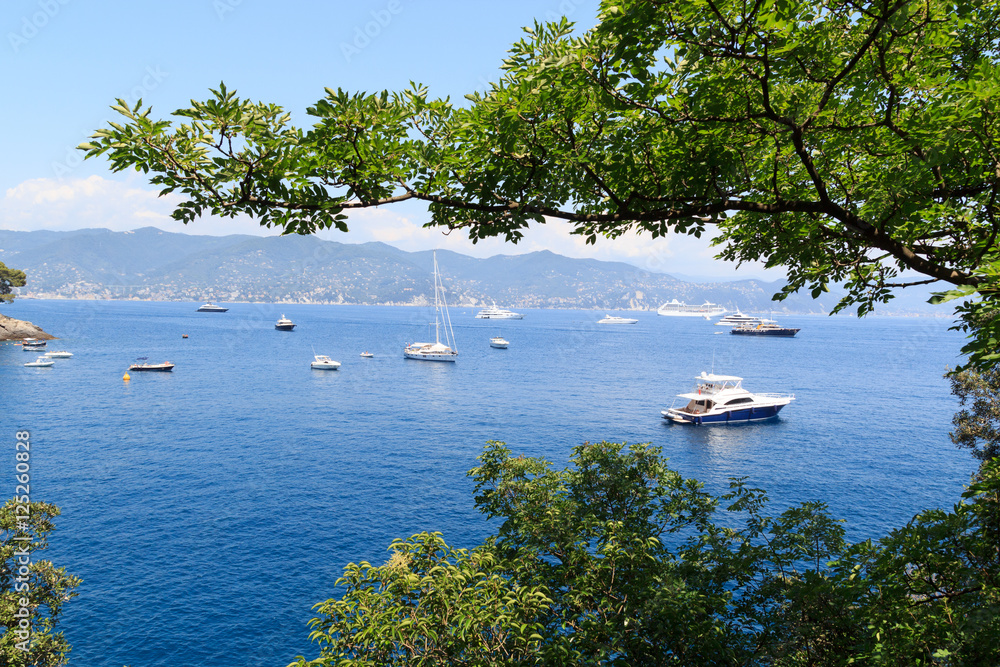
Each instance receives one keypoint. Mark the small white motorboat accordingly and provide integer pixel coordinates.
(613, 319)
(284, 324)
(367, 355)
(41, 362)
(59, 354)
(324, 363)
(499, 342)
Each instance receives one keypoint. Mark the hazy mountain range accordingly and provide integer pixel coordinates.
(156, 265)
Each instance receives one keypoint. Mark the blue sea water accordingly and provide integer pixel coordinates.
(208, 509)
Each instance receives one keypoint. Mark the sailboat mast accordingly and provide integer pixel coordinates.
(437, 303)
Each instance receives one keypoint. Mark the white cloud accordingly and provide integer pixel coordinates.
(67, 204)
(123, 205)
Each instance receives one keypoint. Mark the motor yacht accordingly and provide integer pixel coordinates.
(721, 399)
(59, 354)
(737, 319)
(284, 324)
(321, 362)
(613, 319)
(764, 328)
(499, 342)
(494, 313)
(211, 308)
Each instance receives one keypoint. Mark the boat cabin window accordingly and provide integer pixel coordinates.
(736, 401)
(697, 407)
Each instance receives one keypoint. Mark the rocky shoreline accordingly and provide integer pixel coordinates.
(11, 329)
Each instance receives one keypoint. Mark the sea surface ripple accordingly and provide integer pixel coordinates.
(208, 509)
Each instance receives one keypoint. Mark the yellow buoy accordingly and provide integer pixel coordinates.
(126, 377)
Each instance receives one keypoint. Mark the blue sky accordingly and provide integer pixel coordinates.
(63, 62)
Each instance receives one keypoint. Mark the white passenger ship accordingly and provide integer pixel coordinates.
(677, 308)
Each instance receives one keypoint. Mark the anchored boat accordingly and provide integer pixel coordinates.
(324, 363)
(764, 328)
(614, 319)
(677, 308)
(211, 308)
(436, 351)
(142, 364)
(494, 313)
(721, 399)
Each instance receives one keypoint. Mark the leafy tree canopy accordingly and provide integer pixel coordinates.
(44, 587)
(618, 560)
(845, 140)
(9, 278)
(977, 424)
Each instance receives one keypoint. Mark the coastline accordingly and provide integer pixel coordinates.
(421, 303)
(13, 329)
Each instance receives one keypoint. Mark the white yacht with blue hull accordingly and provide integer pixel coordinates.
(721, 399)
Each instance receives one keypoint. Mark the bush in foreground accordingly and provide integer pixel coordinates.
(618, 560)
(26, 579)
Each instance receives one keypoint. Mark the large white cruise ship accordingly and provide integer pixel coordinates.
(677, 308)
(494, 313)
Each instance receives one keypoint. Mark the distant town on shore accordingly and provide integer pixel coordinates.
(150, 264)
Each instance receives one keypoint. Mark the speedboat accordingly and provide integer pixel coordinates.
(499, 342)
(284, 324)
(212, 308)
(324, 363)
(765, 328)
(436, 351)
(142, 364)
(677, 308)
(737, 319)
(41, 362)
(494, 313)
(59, 354)
(721, 399)
(612, 319)
(367, 355)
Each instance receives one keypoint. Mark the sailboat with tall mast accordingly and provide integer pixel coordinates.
(436, 351)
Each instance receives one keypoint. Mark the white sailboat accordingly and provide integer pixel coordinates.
(436, 351)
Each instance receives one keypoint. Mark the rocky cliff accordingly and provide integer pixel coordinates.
(11, 329)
